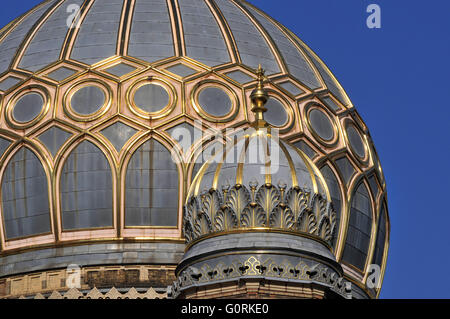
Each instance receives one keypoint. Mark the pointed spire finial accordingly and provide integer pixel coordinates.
(259, 98)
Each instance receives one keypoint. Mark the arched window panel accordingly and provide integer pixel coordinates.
(151, 187)
(335, 193)
(4, 144)
(359, 228)
(25, 202)
(86, 189)
(381, 238)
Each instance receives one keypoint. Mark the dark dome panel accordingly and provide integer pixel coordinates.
(86, 189)
(13, 40)
(45, 47)
(97, 37)
(254, 52)
(25, 202)
(295, 60)
(151, 37)
(151, 187)
(204, 40)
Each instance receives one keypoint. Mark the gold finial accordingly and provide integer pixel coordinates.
(259, 98)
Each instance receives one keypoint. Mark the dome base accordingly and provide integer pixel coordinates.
(257, 264)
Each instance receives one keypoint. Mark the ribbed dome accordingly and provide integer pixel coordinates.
(258, 159)
(259, 182)
(213, 33)
(95, 95)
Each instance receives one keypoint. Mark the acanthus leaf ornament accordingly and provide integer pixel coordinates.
(297, 200)
(225, 220)
(202, 225)
(253, 216)
(237, 200)
(211, 203)
(244, 209)
(268, 197)
(307, 222)
(282, 217)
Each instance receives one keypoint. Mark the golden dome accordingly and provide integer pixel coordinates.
(95, 93)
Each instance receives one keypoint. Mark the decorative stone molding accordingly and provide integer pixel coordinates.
(263, 269)
(113, 293)
(296, 210)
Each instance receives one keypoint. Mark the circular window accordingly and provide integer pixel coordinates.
(321, 124)
(88, 100)
(215, 101)
(276, 114)
(356, 141)
(151, 98)
(28, 107)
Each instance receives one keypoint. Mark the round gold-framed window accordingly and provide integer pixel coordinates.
(151, 98)
(87, 100)
(321, 124)
(27, 107)
(215, 101)
(356, 142)
(279, 114)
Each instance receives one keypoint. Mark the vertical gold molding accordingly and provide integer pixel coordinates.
(31, 34)
(289, 35)
(177, 27)
(47, 167)
(74, 29)
(226, 31)
(276, 52)
(125, 26)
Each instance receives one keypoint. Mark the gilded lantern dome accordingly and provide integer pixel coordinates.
(106, 107)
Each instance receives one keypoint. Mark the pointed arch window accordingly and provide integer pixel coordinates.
(151, 187)
(359, 228)
(86, 189)
(25, 202)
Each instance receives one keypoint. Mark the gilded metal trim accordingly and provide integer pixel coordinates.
(26, 143)
(363, 160)
(45, 95)
(316, 106)
(67, 107)
(168, 87)
(235, 104)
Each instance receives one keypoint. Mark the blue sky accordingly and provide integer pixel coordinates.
(397, 77)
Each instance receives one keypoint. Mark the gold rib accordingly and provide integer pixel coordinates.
(273, 47)
(325, 67)
(177, 27)
(6, 30)
(226, 31)
(288, 35)
(240, 168)
(309, 167)
(218, 169)
(291, 164)
(30, 35)
(74, 29)
(125, 26)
